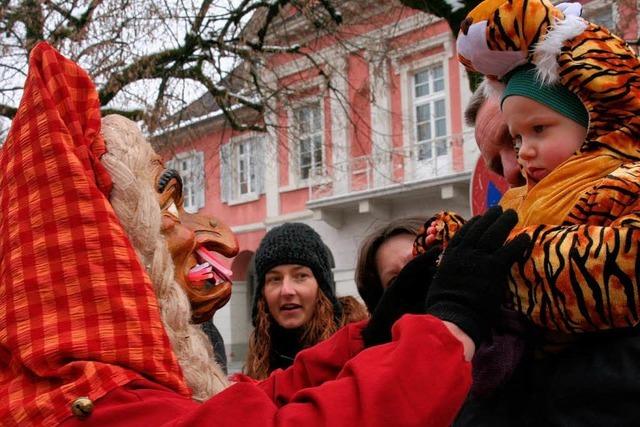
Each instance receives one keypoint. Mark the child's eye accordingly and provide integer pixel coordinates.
(538, 128)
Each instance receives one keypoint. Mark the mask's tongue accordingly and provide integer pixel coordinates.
(215, 266)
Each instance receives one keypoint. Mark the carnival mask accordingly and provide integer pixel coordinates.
(193, 240)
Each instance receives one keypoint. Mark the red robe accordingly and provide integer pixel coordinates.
(420, 378)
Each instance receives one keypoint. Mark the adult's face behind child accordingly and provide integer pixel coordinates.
(495, 143)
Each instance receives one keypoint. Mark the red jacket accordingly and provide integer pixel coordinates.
(418, 379)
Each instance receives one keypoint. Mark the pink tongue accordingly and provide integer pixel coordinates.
(200, 273)
(211, 259)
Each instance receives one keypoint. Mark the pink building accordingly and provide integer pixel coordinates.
(390, 142)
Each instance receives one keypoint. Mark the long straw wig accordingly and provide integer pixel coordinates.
(129, 161)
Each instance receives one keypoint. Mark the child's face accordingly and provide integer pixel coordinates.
(542, 137)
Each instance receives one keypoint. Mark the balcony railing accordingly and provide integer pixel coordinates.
(419, 162)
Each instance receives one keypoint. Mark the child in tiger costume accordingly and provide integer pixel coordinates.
(579, 284)
(581, 274)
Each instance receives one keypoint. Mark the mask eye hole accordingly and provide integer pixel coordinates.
(166, 177)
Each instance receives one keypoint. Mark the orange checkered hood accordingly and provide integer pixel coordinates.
(78, 315)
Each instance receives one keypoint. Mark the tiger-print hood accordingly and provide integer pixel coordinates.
(599, 67)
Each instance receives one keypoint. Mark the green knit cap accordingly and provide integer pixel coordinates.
(524, 82)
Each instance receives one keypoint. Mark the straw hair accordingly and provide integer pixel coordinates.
(129, 160)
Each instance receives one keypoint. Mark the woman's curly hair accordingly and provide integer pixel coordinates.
(320, 327)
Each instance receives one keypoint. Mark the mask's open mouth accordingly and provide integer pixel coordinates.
(209, 270)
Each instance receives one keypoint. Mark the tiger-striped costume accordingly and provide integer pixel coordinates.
(583, 266)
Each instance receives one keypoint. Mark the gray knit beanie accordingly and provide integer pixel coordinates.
(295, 243)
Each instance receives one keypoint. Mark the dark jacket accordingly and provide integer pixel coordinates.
(593, 382)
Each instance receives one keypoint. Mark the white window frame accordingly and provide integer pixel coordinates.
(249, 140)
(190, 166)
(248, 171)
(430, 99)
(404, 64)
(316, 171)
(414, 168)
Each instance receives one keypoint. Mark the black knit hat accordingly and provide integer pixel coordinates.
(295, 243)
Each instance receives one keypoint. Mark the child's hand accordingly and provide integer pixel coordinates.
(432, 234)
(438, 230)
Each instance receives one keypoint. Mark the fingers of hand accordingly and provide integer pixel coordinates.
(432, 254)
(463, 231)
(497, 232)
(420, 268)
(430, 239)
(515, 250)
(483, 224)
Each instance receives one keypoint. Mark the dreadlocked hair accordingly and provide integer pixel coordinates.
(320, 327)
(128, 160)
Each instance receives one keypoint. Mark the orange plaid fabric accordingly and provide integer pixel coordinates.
(78, 316)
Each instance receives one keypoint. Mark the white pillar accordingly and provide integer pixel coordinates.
(272, 167)
(380, 124)
(340, 126)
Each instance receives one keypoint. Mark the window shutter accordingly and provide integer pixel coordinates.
(199, 176)
(171, 164)
(225, 172)
(259, 161)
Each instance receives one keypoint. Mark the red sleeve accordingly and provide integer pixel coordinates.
(418, 379)
(315, 365)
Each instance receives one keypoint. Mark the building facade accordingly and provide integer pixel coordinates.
(387, 140)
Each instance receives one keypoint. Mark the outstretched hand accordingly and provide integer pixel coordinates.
(469, 286)
(407, 294)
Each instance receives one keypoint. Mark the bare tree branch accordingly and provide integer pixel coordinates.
(142, 53)
(75, 27)
(8, 111)
(134, 115)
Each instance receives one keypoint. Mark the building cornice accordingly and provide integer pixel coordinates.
(393, 189)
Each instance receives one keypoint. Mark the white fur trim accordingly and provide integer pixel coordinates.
(473, 47)
(493, 89)
(547, 50)
(568, 8)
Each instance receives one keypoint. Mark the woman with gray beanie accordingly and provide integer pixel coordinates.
(295, 305)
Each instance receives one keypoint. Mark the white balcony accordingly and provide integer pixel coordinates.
(439, 168)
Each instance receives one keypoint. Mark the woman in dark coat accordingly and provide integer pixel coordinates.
(295, 305)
